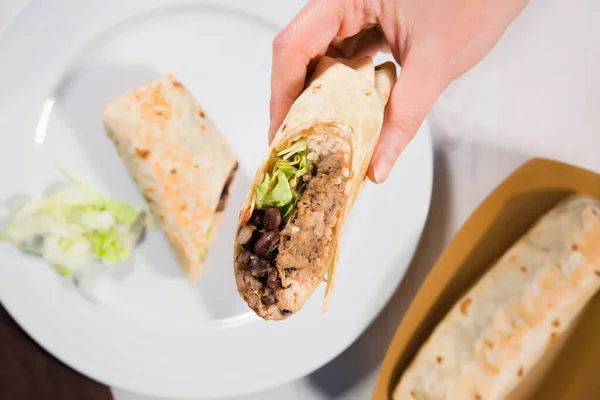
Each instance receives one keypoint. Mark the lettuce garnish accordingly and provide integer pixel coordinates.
(279, 188)
(63, 271)
(73, 225)
(278, 191)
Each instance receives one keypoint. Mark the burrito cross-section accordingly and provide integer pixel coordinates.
(179, 161)
(291, 221)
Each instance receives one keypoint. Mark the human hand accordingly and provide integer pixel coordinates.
(434, 41)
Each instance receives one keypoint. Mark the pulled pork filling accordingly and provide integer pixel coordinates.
(278, 252)
(304, 242)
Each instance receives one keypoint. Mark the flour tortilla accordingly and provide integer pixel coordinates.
(518, 311)
(342, 95)
(179, 161)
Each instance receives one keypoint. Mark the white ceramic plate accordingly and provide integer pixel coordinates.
(153, 333)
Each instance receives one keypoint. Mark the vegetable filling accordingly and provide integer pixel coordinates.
(288, 235)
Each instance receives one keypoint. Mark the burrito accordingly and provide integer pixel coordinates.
(179, 161)
(496, 333)
(291, 221)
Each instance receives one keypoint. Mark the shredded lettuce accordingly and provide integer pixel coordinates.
(107, 245)
(70, 175)
(286, 167)
(87, 200)
(122, 212)
(279, 188)
(279, 193)
(65, 243)
(63, 271)
(287, 210)
(261, 190)
(73, 225)
(298, 147)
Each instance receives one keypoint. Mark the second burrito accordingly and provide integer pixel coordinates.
(291, 221)
(179, 161)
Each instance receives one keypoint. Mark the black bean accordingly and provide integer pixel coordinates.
(267, 243)
(245, 234)
(258, 267)
(268, 300)
(272, 218)
(273, 274)
(256, 235)
(273, 281)
(270, 258)
(257, 218)
(243, 257)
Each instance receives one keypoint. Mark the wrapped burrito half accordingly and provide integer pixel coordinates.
(493, 337)
(179, 161)
(291, 221)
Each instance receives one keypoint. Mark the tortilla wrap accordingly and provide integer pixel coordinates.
(344, 100)
(492, 338)
(179, 162)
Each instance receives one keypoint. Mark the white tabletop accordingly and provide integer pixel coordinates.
(537, 94)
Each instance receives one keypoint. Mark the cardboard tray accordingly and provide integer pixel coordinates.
(503, 217)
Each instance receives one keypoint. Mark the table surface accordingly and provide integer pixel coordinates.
(537, 94)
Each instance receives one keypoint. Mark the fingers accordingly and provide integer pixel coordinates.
(412, 97)
(365, 44)
(307, 36)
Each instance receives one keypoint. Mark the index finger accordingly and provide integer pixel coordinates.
(307, 36)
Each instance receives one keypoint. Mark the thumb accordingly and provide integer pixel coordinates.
(413, 95)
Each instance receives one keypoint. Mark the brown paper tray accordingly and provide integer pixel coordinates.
(503, 217)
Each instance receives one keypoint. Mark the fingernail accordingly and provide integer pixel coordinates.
(381, 170)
